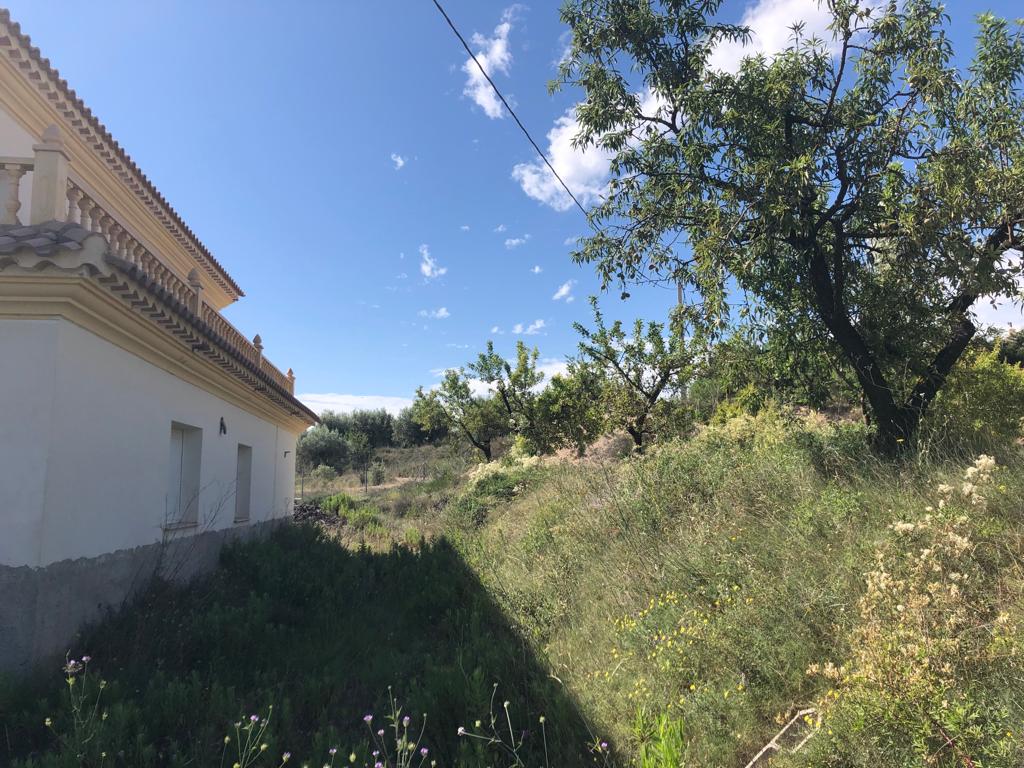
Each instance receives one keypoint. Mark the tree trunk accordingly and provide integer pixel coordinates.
(896, 423)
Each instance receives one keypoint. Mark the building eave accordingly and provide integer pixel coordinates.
(16, 48)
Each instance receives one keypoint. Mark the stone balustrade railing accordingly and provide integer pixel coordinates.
(77, 206)
(250, 350)
(86, 212)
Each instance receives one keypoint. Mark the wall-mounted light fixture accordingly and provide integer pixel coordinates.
(223, 426)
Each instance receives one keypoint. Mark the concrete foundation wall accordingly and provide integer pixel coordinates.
(43, 610)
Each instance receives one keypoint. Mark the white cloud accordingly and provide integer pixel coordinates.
(536, 269)
(552, 366)
(496, 330)
(401, 276)
(398, 160)
(515, 242)
(564, 291)
(1004, 313)
(770, 23)
(500, 228)
(572, 240)
(495, 56)
(464, 227)
(531, 330)
(341, 403)
(428, 265)
(477, 388)
(583, 170)
(436, 314)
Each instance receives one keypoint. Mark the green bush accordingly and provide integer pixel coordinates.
(981, 408)
(339, 503)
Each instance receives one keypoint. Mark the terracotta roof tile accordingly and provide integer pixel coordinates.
(44, 239)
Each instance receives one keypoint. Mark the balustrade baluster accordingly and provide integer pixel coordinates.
(13, 203)
(74, 197)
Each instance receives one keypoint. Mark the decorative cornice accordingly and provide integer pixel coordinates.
(114, 310)
(53, 256)
(183, 323)
(47, 82)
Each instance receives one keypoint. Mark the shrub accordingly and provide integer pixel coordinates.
(339, 503)
(981, 408)
(323, 475)
(935, 664)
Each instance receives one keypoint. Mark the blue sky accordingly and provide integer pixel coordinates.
(380, 211)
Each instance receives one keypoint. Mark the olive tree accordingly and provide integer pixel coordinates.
(859, 179)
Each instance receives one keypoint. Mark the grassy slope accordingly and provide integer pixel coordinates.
(691, 591)
(671, 604)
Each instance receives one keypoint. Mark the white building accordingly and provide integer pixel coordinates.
(138, 428)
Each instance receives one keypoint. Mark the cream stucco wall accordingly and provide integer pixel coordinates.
(84, 436)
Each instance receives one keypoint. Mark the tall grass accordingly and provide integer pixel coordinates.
(671, 609)
(689, 591)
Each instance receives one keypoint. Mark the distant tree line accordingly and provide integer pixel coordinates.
(343, 441)
(654, 380)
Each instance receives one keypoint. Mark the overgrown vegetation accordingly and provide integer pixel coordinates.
(677, 606)
(819, 525)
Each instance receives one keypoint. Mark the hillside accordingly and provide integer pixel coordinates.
(671, 609)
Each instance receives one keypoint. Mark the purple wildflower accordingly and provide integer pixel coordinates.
(424, 751)
(368, 719)
(406, 720)
(332, 751)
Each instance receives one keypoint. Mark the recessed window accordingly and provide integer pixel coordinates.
(183, 475)
(243, 483)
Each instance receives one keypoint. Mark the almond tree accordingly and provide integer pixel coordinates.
(453, 406)
(638, 369)
(860, 181)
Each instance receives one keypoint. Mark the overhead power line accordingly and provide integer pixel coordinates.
(509, 108)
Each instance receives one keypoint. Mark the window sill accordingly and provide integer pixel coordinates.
(183, 526)
(241, 520)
